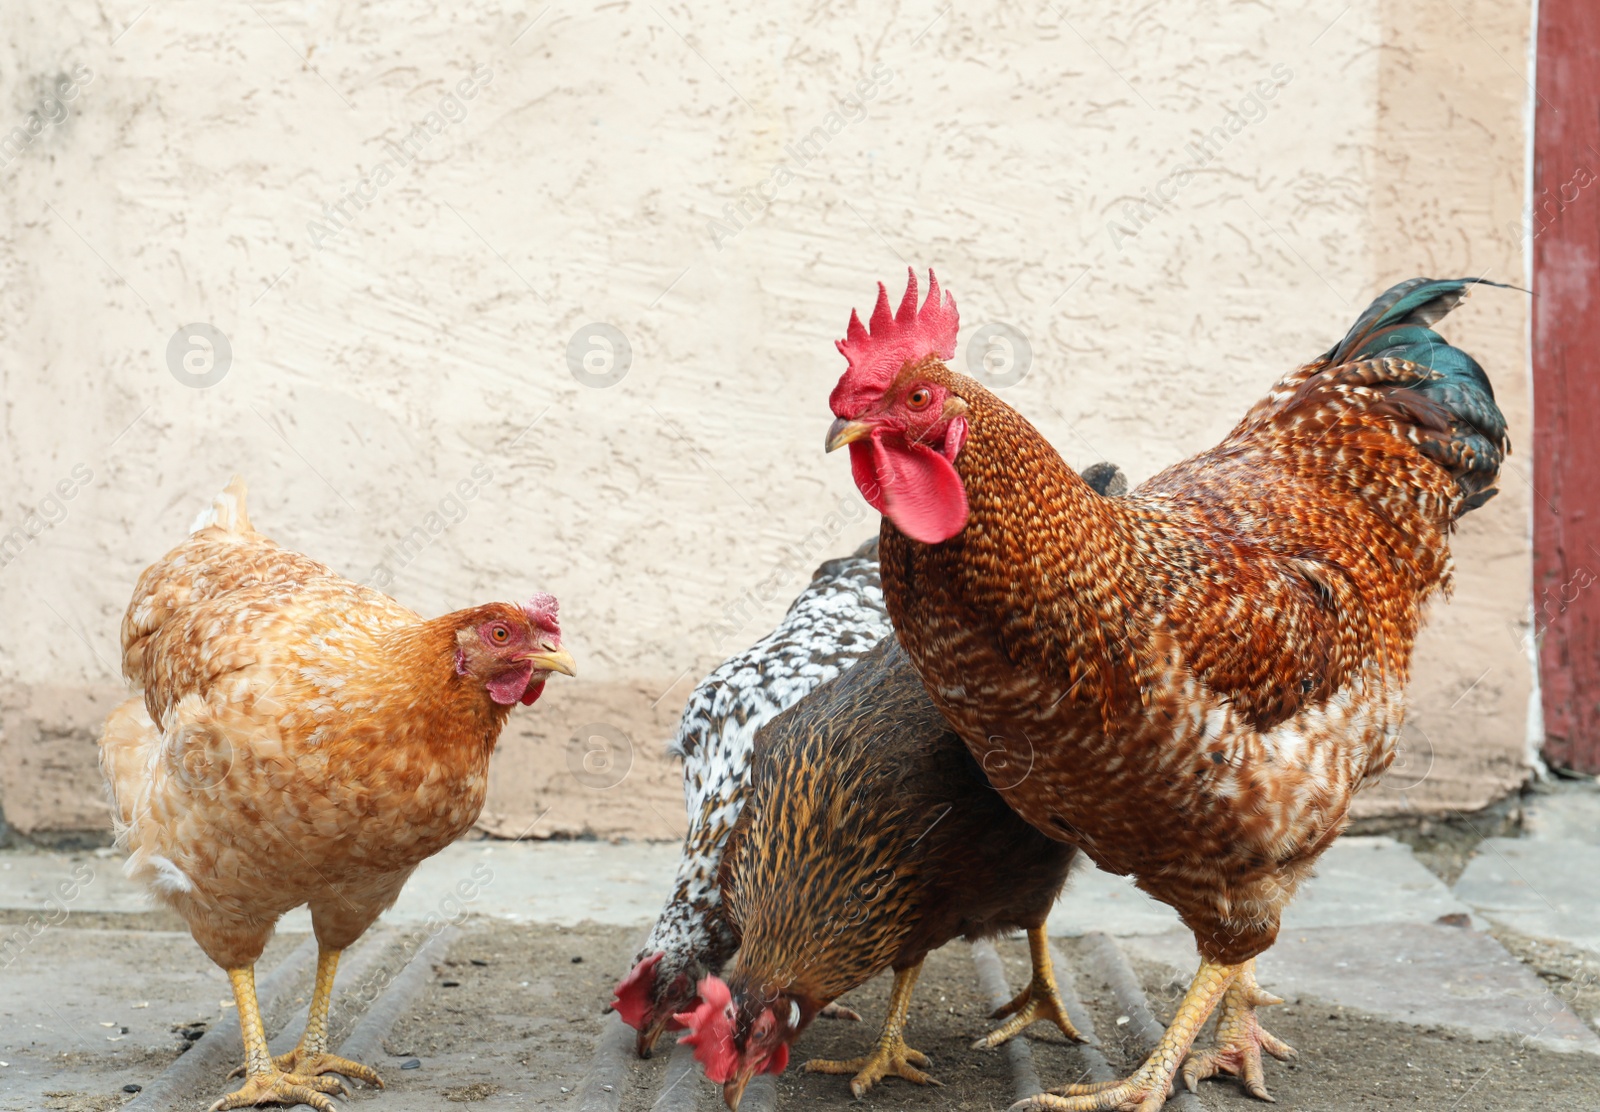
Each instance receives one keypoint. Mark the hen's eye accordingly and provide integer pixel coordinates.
(500, 634)
(919, 398)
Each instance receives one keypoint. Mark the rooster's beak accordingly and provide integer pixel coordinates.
(843, 432)
(554, 660)
(733, 1091)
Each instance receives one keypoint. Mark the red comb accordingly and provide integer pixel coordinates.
(710, 1026)
(906, 335)
(632, 997)
(541, 611)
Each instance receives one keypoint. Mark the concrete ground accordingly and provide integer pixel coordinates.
(1401, 991)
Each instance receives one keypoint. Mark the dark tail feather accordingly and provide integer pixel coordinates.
(1398, 326)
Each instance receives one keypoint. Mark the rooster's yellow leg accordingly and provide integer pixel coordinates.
(1040, 1000)
(264, 1083)
(1240, 1038)
(310, 1058)
(1147, 1090)
(891, 1056)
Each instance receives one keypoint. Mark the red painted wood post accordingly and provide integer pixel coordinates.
(1566, 379)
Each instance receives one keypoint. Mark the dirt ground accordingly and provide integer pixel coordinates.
(511, 1017)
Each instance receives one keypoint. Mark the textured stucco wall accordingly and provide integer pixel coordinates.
(1172, 204)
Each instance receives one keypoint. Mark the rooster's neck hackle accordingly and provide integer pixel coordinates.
(1032, 517)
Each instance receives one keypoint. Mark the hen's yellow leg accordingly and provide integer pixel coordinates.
(1040, 1000)
(264, 1082)
(891, 1055)
(310, 1057)
(1147, 1090)
(1240, 1038)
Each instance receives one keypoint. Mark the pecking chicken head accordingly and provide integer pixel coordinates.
(734, 1040)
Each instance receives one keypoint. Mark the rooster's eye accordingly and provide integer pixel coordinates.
(919, 398)
(500, 634)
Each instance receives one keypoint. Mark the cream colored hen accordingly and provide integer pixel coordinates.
(299, 739)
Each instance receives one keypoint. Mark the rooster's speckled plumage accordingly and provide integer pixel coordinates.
(1189, 683)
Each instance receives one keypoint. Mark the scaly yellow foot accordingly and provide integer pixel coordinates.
(311, 1058)
(1148, 1089)
(891, 1057)
(305, 1063)
(1040, 1000)
(1240, 1038)
(282, 1088)
(264, 1083)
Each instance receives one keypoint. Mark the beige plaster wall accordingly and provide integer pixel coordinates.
(659, 167)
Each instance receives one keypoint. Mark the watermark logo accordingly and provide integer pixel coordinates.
(199, 758)
(599, 355)
(1197, 155)
(998, 355)
(51, 111)
(50, 511)
(199, 355)
(599, 755)
(398, 158)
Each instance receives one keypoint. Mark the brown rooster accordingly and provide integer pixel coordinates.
(300, 739)
(1198, 677)
(870, 838)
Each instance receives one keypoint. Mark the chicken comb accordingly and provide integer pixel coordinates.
(631, 998)
(710, 1025)
(896, 337)
(541, 611)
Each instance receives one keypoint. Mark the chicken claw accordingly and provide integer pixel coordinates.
(311, 1058)
(1039, 1000)
(305, 1064)
(282, 1088)
(888, 1059)
(1240, 1039)
(891, 1057)
(1147, 1090)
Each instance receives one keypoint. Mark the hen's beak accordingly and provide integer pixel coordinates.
(843, 432)
(733, 1091)
(554, 660)
(645, 1043)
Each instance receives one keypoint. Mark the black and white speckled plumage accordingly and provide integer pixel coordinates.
(835, 621)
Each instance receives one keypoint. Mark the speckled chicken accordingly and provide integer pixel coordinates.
(870, 838)
(828, 627)
(838, 617)
(1189, 683)
(298, 739)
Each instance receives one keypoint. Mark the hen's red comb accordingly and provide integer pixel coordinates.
(541, 611)
(710, 1026)
(631, 999)
(905, 335)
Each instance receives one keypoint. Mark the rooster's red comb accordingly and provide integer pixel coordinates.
(710, 1026)
(541, 610)
(631, 999)
(905, 335)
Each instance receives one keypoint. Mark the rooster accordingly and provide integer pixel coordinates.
(838, 617)
(300, 739)
(1193, 680)
(870, 838)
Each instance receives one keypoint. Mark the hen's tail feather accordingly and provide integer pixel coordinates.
(1471, 442)
(226, 510)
